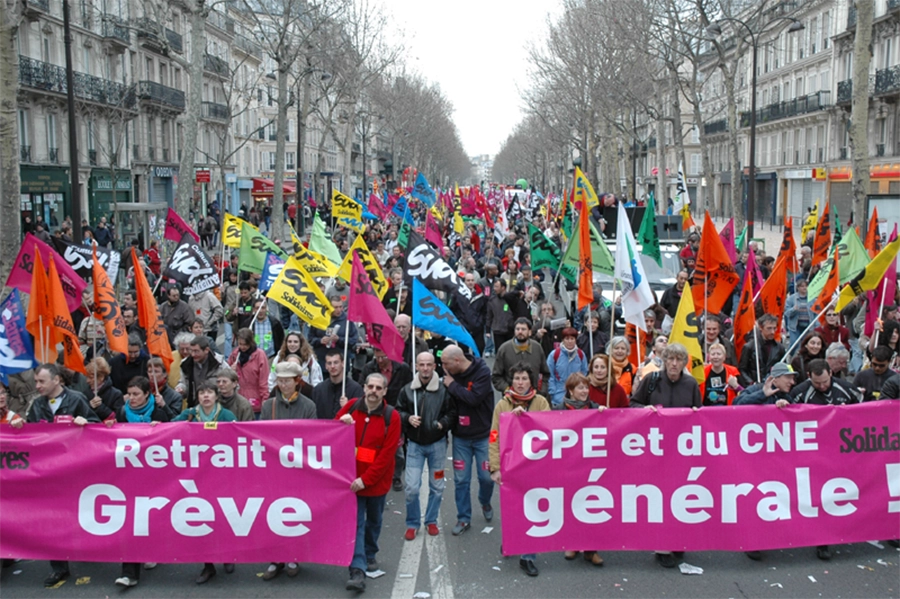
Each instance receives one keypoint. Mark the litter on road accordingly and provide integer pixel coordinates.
(689, 569)
(487, 530)
(376, 574)
(812, 578)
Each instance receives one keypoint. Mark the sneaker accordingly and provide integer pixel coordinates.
(433, 530)
(357, 580)
(272, 571)
(529, 567)
(292, 569)
(460, 528)
(666, 560)
(410, 534)
(149, 565)
(823, 552)
(488, 512)
(55, 577)
(754, 555)
(371, 565)
(125, 581)
(205, 574)
(398, 485)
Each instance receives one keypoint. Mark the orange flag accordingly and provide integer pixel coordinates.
(148, 315)
(106, 308)
(39, 319)
(774, 292)
(62, 322)
(585, 260)
(714, 273)
(822, 243)
(831, 286)
(744, 318)
(789, 246)
(635, 336)
(872, 236)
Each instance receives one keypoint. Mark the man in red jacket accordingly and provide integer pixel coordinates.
(377, 438)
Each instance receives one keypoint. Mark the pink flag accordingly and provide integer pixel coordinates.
(727, 236)
(753, 271)
(889, 282)
(377, 207)
(20, 275)
(467, 203)
(364, 306)
(433, 232)
(176, 228)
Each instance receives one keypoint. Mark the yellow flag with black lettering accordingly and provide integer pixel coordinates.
(296, 289)
(344, 207)
(233, 226)
(686, 332)
(376, 276)
(313, 262)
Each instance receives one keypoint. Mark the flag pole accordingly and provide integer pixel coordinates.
(705, 311)
(43, 347)
(612, 331)
(880, 309)
(412, 333)
(346, 347)
(756, 346)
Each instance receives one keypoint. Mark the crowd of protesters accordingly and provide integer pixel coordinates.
(240, 358)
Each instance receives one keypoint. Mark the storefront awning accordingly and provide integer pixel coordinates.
(266, 187)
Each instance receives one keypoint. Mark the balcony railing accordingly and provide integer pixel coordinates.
(250, 47)
(217, 19)
(714, 127)
(116, 30)
(851, 17)
(161, 94)
(92, 157)
(216, 65)
(43, 5)
(25, 153)
(165, 154)
(49, 77)
(213, 111)
(53, 155)
(887, 80)
(782, 110)
(845, 88)
(151, 33)
(879, 150)
(136, 152)
(845, 153)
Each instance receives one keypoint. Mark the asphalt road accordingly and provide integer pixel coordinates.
(471, 566)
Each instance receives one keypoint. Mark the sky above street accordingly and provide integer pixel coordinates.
(476, 51)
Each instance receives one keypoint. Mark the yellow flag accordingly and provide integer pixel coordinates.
(458, 225)
(344, 207)
(436, 213)
(314, 263)
(869, 278)
(584, 192)
(686, 332)
(296, 289)
(379, 283)
(233, 230)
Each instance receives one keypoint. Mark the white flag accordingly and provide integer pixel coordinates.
(682, 197)
(636, 293)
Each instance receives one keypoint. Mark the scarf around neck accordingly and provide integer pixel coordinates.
(244, 357)
(618, 367)
(518, 399)
(143, 414)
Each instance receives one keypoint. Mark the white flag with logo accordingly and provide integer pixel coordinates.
(636, 293)
(682, 197)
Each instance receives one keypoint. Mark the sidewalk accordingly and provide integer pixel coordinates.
(771, 236)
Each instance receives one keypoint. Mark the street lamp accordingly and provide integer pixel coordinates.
(715, 29)
(302, 114)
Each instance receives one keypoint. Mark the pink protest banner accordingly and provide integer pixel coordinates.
(241, 492)
(739, 478)
(176, 228)
(20, 275)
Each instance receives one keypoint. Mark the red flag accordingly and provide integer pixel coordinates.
(774, 292)
(831, 286)
(20, 273)
(585, 261)
(106, 308)
(148, 315)
(788, 246)
(482, 205)
(176, 228)
(872, 236)
(365, 307)
(753, 272)
(713, 271)
(376, 206)
(62, 322)
(744, 318)
(433, 232)
(39, 319)
(822, 243)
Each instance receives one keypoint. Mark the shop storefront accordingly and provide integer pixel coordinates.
(45, 192)
(161, 184)
(264, 189)
(104, 194)
(801, 189)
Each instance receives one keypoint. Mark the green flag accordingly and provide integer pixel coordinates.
(567, 221)
(321, 243)
(838, 231)
(648, 236)
(602, 259)
(544, 253)
(254, 246)
(403, 236)
(854, 259)
(739, 242)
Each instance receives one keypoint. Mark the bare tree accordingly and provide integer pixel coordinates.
(10, 181)
(859, 115)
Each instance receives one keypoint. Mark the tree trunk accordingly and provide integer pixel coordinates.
(10, 182)
(609, 156)
(662, 182)
(348, 153)
(276, 226)
(185, 193)
(737, 187)
(859, 114)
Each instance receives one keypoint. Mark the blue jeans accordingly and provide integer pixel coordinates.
(369, 511)
(489, 345)
(416, 456)
(229, 339)
(856, 355)
(465, 451)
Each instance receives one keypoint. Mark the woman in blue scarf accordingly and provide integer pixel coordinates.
(140, 407)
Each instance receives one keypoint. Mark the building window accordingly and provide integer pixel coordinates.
(289, 160)
(696, 164)
(826, 30)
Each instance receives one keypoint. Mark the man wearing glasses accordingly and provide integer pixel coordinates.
(377, 429)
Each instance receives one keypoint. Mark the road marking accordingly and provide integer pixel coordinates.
(408, 569)
(439, 568)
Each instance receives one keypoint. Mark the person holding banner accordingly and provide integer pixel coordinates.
(598, 382)
(7, 416)
(520, 397)
(56, 404)
(424, 407)
(252, 368)
(377, 427)
(107, 399)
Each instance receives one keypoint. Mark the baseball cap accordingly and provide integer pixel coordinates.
(782, 369)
